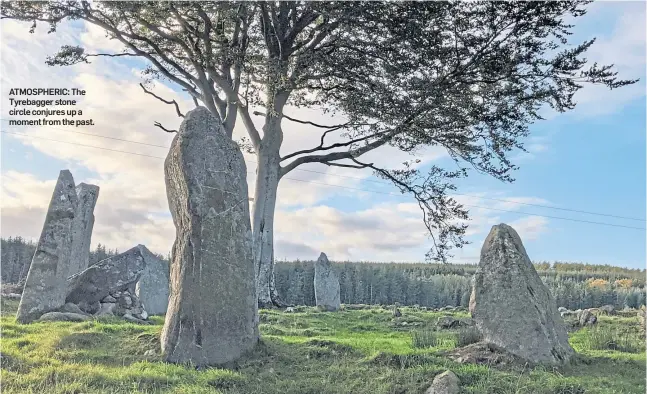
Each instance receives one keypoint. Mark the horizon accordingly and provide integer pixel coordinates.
(570, 202)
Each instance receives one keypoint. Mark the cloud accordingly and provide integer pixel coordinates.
(132, 207)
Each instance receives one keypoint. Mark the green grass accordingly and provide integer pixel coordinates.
(351, 351)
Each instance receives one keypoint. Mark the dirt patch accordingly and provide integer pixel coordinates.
(484, 353)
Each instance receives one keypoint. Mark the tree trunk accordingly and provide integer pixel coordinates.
(267, 182)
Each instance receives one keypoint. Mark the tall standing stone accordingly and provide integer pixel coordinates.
(153, 287)
(212, 316)
(45, 287)
(82, 227)
(511, 306)
(326, 285)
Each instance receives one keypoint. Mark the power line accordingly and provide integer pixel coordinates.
(348, 187)
(87, 146)
(381, 182)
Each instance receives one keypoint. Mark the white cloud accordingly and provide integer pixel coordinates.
(132, 206)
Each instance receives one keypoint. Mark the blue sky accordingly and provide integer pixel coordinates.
(592, 159)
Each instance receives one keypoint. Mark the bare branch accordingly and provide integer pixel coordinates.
(339, 126)
(158, 124)
(177, 107)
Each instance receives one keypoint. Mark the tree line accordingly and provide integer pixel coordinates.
(438, 285)
(574, 285)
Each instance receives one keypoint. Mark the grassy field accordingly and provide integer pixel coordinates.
(353, 351)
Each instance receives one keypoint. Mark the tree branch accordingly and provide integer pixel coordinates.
(177, 107)
(158, 124)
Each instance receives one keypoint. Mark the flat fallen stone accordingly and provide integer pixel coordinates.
(116, 273)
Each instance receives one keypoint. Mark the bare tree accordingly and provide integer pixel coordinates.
(468, 76)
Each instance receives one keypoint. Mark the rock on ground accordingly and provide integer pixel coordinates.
(115, 273)
(45, 288)
(326, 284)
(485, 354)
(82, 228)
(212, 316)
(64, 316)
(153, 287)
(511, 306)
(445, 383)
(448, 322)
(608, 309)
(587, 318)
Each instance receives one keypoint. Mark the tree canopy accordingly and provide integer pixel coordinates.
(470, 77)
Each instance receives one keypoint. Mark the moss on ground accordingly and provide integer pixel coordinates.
(353, 351)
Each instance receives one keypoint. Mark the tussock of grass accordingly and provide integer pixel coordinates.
(610, 338)
(467, 336)
(353, 351)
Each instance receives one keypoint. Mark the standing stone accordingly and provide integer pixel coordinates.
(153, 287)
(116, 273)
(511, 306)
(82, 227)
(45, 288)
(326, 285)
(212, 316)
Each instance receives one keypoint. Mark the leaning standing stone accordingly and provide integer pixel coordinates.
(511, 306)
(326, 285)
(153, 287)
(212, 316)
(82, 227)
(45, 287)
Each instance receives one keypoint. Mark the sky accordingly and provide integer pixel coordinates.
(591, 160)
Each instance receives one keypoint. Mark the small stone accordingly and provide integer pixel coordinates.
(89, 307)
(587, 318)
(71, 308)
(608, 309)
(144, 315)
(107, 309)
(448, 322)
(109, 298)
(289, 310)
(444, 383)
(64, 316)
(133, 319)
